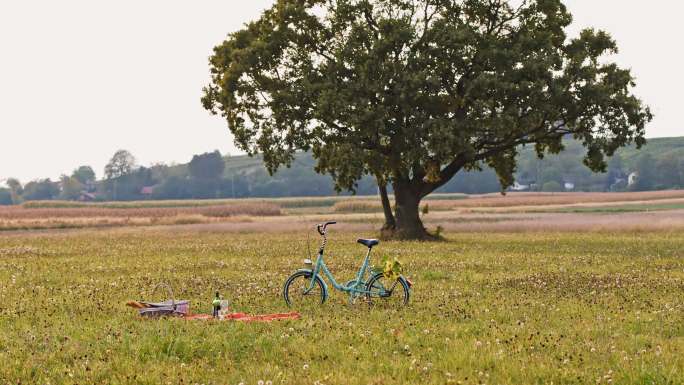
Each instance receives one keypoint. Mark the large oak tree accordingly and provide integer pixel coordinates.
(412, 92)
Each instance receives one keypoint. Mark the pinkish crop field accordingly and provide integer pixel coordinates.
(652, 210)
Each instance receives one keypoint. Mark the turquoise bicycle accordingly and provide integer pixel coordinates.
(306, 286)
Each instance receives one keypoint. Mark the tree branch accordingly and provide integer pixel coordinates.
(372, 24)
(444, 175)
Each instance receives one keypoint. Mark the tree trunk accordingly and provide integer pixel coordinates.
(408, 222)
(390, 223)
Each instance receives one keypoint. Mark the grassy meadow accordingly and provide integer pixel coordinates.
(530, 288)
(535, 307)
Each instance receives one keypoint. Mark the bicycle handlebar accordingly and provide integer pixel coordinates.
(321, 227)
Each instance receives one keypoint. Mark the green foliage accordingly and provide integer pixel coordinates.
(657, 147)
(438, 231)
(209, 165)
(552, 186)
(472, 182)
(665, 167)
(247, 176)
(41, 189)
(669, 171)
(122, 163)
(84, 174)
(5, 197)
(71, 188)
(551, 175)
(391, 268)
(127, 186)
(646, 169)
(413, 92)
(16, 189)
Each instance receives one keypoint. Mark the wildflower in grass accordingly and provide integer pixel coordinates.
(305, 367)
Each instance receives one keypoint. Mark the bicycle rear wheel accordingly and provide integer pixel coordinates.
(296, 293)
(385, 292)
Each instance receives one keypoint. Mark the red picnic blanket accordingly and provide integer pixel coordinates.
(246, 317)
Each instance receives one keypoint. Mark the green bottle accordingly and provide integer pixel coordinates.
(217, 305)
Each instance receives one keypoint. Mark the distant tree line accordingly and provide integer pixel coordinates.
(656, 167)
(205, 177)
(660, 165)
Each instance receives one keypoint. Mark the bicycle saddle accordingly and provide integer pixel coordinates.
(368, 242)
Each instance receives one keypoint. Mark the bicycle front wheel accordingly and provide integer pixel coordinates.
(385, 292)
(296, 290)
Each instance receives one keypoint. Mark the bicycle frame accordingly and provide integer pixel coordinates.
(352, 287)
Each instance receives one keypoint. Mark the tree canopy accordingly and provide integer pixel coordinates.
(412, 91)
(122, 163)
(646, 171)
(5, 197)
(84, 174)
(40, 189)
(71, 187)
(16, 189)
(209, 165)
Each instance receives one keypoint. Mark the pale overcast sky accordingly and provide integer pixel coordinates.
(82, 79)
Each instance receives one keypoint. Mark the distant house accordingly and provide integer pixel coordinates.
(632, 178)
(87, 196)
(519, 187)
(90, 186)
(147, 191)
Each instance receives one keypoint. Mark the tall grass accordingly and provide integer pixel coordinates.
(255, 209)
(539, 199)
(56, 204)
(281, 202)
(23, 218)
(357, 206)
(285, 202)
(440, 202)
(373, 206)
